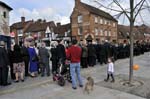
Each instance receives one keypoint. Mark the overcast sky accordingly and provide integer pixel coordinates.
(53, 10)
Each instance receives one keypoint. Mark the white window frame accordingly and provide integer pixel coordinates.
(106, 33)
(101, 21)
(79, 31)
(114, 24)
(80, 19)
(20, 31)
(96, 31)
(101, 32)
(109, 23)
(105, 21)
(96, 19)
(109, 33)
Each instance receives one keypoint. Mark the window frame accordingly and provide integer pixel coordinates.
(96, 19)
(96, 31)
(80, 18)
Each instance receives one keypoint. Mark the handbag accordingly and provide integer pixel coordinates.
(35, 58)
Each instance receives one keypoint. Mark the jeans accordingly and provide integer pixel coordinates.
(75, 71)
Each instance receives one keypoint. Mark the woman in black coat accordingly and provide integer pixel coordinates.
(54, 57)
(18, 64)
(91, 54)
(11, 60)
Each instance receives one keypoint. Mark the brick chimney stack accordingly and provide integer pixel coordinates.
(58, 24)
(77, 2)
(22, 19)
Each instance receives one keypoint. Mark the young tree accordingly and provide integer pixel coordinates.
(135, 8)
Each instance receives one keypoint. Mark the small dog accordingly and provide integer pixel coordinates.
(89, 85)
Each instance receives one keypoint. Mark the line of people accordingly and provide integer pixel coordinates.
(104, 49)
(29, 60)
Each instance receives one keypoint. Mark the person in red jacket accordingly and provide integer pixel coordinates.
(74, 54)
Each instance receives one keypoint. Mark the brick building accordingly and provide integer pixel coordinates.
(38, 29)
(32, 28)
(17, 29)
(124, 33)
(90, 23)
(64, 31)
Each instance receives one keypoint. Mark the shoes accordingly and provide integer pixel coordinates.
(112, 81)
(81, 86)
(22, 80)
(6, 84)
(42, 75)
(32, 76)
(74, 88)
(106, 80)
(16, 81)
(48, 75)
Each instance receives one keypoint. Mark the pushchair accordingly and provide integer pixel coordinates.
(63, 74)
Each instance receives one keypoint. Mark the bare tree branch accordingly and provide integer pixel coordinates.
(122, 9)
(106, 7)
(138, 10)
(138, 4)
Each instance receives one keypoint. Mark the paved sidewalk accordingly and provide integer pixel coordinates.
(45, 88)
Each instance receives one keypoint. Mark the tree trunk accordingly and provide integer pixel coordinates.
(131, 40)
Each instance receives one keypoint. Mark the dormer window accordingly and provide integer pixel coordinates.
(80, 19)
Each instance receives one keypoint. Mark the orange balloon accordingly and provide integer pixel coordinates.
(135, 67)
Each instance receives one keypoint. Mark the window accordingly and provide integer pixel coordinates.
(20, 31)
(105, 33)
(105, 21)
(96, 19)
(96, 31)
(80, 31)
(4, 14)
(114, 24)
(101, 21)
(66, 34)
(109, 33)
(109, 23)
(80, 19)
(101, 32)
(114, 34)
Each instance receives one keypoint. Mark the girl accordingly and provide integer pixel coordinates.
(110, 70)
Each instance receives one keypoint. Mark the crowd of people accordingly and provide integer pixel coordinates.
(30, 60)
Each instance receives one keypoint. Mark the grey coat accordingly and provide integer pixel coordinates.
(44, 56)
(84, 51)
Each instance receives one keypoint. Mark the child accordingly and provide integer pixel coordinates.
(110, 70)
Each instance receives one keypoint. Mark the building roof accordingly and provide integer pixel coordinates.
(62, 29)
(123, 32)
(39, 26)
(143, 29)
(5, 5)
(98, 12)
(19, 25)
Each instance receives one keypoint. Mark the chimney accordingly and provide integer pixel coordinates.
(22, 19)
(58, 24)
(39, 20)
(44, 21)
(77, 2)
